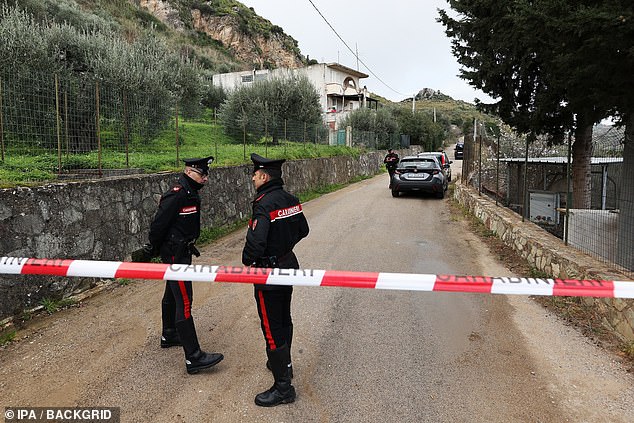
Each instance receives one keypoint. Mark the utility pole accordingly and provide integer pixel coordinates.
(413, 103)
(356, 48)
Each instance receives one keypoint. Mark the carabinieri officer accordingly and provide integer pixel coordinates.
(277, 224)
(173, 232)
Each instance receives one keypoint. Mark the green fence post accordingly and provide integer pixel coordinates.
(98, 118)
(1, 125)
(177, 146)
(66, 123)
(126, 129)
(57, 125)
(216, 133)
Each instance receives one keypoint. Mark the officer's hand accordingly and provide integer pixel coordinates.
(144, 254)
(150, 250)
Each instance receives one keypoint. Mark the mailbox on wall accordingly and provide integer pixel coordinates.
(543, 207)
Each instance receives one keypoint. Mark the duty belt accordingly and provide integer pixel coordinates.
(271, 261)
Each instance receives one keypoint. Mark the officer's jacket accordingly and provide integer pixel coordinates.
(391, 160)
(177, 221)
(277, 224)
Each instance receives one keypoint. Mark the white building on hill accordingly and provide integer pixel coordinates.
(338, 87)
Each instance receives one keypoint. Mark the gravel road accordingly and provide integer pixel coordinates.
(359, 355)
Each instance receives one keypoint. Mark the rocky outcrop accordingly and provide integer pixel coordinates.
(271, 51)
(263, 50)
(164, 12)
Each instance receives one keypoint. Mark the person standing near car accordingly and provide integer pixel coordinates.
(391, 162)
(277, 224)
(173, 232)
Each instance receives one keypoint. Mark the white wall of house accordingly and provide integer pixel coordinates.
(329, 79)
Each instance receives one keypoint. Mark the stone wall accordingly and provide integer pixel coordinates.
(108, 218)
(550, 255)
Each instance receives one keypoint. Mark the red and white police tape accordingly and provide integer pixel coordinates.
(308, 277)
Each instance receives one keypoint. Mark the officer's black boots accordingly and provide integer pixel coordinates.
(200, 360)
(289, 342)
(290, 368)
(169, 338)
(195, 359)
(282, 392)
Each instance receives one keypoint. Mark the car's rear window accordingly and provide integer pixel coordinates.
(424, 164)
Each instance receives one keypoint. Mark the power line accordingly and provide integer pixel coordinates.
(351, 51)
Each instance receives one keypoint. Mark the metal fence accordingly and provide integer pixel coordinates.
(535, 180)
(67, 126)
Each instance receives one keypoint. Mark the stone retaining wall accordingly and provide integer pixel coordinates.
(108, 218)
(550, 255)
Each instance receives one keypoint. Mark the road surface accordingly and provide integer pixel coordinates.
(359, 355)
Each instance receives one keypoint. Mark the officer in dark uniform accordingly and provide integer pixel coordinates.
(391, 162)
(276, 225)
(173, 232)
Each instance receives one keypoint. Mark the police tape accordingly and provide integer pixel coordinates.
(309, 277)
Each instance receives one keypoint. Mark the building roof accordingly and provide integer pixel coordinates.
(347, 70)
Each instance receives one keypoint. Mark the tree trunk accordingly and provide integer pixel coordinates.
(581, 169)
(625, 237)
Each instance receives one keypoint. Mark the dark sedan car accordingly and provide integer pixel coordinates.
(445, 163)
(419, 174)
(458, 152)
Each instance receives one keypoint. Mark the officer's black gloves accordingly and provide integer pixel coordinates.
(194, 250)
(145, 254)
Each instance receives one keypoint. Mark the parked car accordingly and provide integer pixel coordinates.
(419, 174)
(458, 152)
(442, 157)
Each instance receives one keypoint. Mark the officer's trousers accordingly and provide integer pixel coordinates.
(177, 297)
(274, 309)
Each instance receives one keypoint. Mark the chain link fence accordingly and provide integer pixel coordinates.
(536, 181)
(61, 126)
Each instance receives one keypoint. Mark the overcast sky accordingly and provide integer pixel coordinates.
(399, 41)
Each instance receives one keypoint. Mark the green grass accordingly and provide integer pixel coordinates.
(208, 235)
(29, 166)
(51, 306)
(7, 337)
(628, 350)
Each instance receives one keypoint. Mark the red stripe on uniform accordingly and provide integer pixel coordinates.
(265, 322)
(350, 279)
(57, 267)
(583, 288)
(187, 304)
(454, 283)
(255, 275)
(141, 270)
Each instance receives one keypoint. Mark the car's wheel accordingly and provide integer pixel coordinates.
(440, 194)
(395, 193)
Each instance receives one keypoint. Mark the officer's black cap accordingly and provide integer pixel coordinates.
(200, 164)
(272, 166)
